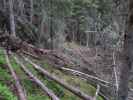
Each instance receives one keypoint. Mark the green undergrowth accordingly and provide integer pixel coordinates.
(5, 79)
(4, 74)
(5, 93)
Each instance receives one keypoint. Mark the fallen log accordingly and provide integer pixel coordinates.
(22, 95)
(37, 81)
(86, 76)
(106, 87)
(62, 83)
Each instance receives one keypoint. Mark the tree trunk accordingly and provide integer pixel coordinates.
(12, 22)
(51, 26)
(4, 4)
(42, 34)
(21, 94)
(31, 10)
(21, 8)
(127, 55)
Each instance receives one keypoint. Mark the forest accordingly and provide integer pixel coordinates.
(66, 49)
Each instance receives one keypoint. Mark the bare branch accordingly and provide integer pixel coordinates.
(86, 75)
(105, 88)
(115, 72)
(97, 92)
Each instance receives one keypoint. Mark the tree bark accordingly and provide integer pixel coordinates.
(21, 8)
(17, 82)
(12, 21)
(127, 55)
(31, 10)
(42, 34)
(51, 26)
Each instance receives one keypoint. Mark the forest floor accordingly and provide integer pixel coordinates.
(33, 92)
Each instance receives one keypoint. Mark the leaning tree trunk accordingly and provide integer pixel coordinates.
(127, 54)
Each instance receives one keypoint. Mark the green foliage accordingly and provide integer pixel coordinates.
(4, 75)
(6, 93)
(99, 98)
(2, 57)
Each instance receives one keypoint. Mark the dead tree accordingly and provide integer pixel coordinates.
(20, 91)
(37, 81)
(62, 83)
(106, 87)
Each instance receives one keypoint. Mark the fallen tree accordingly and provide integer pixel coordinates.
(22, 95)
(106, 87)
(37, 81)
(59, 81)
